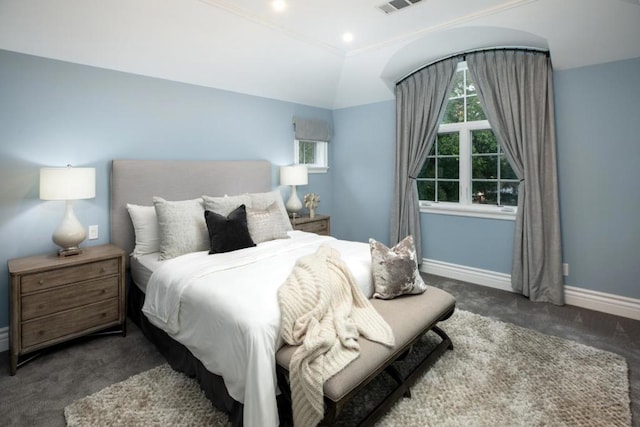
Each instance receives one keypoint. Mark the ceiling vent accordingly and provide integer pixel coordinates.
(395, 5)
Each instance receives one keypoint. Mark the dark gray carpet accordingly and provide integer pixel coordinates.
(37, 395)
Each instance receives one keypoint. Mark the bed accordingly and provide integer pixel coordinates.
(217, 317)
(247, 392)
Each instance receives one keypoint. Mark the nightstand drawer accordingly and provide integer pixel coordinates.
(318, 227)
(319, 224)
(67, 275)
(66, 297)
(70, 322)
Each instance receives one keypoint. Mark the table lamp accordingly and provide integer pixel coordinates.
(68, 184)
(293, 175)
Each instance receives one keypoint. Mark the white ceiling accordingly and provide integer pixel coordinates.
(298, 55)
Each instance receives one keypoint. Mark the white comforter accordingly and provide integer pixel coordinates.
(224, 309)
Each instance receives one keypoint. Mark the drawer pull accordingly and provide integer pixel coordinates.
(41, 333)
(40, 282)
(103, 291)
(102, 270)
(103, 315)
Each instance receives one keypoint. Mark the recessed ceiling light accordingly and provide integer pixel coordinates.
(347, 37)
(279, 5)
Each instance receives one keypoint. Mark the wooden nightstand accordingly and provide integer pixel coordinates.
(320, 224)
(54, 299)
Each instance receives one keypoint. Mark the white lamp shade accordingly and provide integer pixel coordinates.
(294, 175)
(67, 183)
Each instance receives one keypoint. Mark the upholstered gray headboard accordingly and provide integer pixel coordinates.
(137, 181)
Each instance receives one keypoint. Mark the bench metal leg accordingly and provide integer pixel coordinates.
(442, 334)
(411, 379)
(397, 377)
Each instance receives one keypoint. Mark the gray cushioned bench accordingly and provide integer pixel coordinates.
(410, 317)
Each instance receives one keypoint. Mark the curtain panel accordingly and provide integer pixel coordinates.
(515, 88)
(421, 100)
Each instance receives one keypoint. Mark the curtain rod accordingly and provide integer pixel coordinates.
(463, 55)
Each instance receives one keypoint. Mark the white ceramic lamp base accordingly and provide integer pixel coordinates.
(294, 204)
(69, 234)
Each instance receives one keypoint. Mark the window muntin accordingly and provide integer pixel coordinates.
(439, 179)
(314, 154)
(463, 105)
(307, 152)
(493, 181)
(466, 158)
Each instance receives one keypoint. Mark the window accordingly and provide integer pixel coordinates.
(466, 172)
(493, 181)
(314, 154)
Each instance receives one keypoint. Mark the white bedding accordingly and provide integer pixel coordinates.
(224, 309)
(142, 267)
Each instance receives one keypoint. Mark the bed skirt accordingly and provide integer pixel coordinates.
(182, 360)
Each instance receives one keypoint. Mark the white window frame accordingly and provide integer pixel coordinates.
(465, 207)
(321, 156)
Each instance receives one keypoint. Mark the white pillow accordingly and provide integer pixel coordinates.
(182, 227)
(224, 205)
(266, 224)
(147, 231)
(264, 200)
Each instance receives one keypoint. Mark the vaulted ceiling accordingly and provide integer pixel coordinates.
(298, 54)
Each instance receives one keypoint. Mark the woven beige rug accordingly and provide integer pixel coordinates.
(497, 375)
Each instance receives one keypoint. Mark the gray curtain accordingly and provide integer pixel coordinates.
(515, 89)
(421, 100)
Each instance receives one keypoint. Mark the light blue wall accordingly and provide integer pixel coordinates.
(362, 149)
(597, 114)
(478, 242)
(53, 113)
(599, 183)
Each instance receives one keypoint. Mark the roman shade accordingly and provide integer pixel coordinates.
(311, 130)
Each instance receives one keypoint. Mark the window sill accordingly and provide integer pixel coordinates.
(507, 213)
(317, 169)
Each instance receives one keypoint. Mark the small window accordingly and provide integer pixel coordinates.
(314, 154)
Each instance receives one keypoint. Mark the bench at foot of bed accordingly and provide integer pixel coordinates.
(410, 317)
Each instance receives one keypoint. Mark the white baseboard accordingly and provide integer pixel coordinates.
(4, 339)
(579, 297)
(600, 301)
(477, 276)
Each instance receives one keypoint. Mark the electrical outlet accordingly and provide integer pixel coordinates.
(565, 269)
(93, 232)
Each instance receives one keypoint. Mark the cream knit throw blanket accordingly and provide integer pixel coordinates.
(323, 312)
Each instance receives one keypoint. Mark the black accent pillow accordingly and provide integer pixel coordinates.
(228, 233)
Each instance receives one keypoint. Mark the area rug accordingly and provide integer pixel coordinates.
(498, 374)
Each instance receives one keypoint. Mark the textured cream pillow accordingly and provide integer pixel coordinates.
(395, 271)
(264, 200)
(147, 231)
(225, 205)
(182, 227)
(267, 224)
